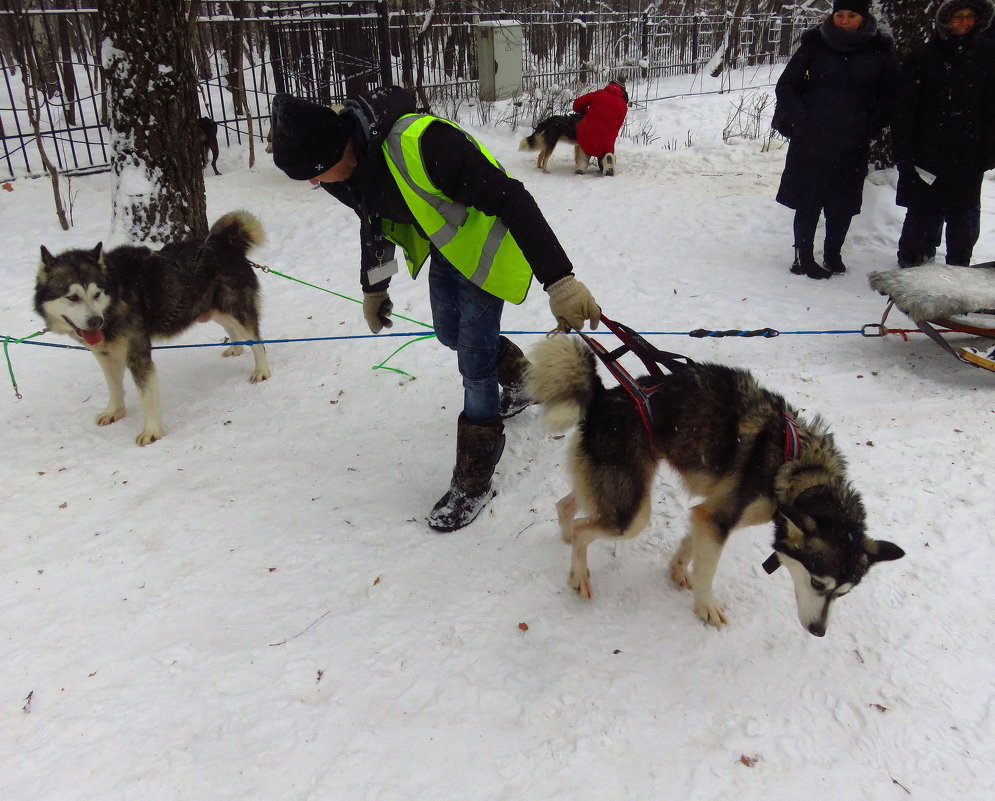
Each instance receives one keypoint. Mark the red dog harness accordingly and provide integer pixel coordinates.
(651, 358)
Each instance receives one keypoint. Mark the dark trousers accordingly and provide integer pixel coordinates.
(468, 320)
(923, 229)
(805, 224)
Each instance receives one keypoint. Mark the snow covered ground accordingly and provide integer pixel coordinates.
(253, 609)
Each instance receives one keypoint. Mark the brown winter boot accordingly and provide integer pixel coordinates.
(478, 448)
(511, 367)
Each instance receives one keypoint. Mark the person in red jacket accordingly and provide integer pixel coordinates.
(604, 112)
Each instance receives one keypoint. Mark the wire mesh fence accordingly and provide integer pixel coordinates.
(52, 85)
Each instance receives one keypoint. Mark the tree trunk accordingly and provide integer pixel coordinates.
(910, 21)
(153, 108)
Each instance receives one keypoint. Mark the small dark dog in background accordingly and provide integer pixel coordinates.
(550, 131)
(209, 141)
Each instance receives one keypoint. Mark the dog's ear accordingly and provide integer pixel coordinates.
(97, 252)
(819, 501)
(799, 525)
(882, 551)
(47, 259)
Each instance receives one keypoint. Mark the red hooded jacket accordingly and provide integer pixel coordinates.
(604, 113)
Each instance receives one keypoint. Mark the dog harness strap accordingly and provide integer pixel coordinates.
(651, 358)
(790, 438)
(791, 448)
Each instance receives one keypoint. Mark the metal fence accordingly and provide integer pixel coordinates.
(247, 51)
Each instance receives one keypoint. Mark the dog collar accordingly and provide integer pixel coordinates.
(773, 562)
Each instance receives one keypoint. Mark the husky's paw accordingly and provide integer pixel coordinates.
(110, 415)
(581, 584)
(710, 612)
(545, 171)
(233, 350)
(680, 576)
(148, 436)
(260, 375)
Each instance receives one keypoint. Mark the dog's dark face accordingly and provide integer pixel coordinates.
(820, 539)
(71, 293)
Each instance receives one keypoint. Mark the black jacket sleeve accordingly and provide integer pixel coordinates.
(458, 168)
(885, 92)
(904, 122)
(790, 92)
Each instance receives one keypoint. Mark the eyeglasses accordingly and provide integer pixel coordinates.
(968, 16)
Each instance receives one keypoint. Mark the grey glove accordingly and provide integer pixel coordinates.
(376, 309)
(572, 304)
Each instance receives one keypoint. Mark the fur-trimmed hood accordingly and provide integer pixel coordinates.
(980, 7)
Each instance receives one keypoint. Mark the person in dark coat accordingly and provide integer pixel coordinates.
(834, 96)
(424, 184)
(943, 134)
(604, 114)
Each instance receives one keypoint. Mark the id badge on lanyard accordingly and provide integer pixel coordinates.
(381, 272)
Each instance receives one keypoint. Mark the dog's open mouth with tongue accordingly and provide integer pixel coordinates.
(92, 337)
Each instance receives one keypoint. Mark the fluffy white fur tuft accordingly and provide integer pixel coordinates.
(561, 416)
(562, 377)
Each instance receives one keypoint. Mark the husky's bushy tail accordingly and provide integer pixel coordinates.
(237, 230)
(563, 377)
(531, 142)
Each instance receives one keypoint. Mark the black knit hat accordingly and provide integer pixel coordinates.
(307, 138)
(856, 6)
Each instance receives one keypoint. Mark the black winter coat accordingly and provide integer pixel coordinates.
(456, 166)
(945, 122)
(834, 96)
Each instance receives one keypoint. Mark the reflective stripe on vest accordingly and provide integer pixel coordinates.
(478, 245)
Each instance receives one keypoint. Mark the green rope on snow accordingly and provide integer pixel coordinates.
(6, 354)
(382, 364)
(330, 292)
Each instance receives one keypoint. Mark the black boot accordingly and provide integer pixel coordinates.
(478, 448)
(511, 367)
(834, 262)
(805, 264)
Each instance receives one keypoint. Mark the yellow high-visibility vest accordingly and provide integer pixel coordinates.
(476, 244)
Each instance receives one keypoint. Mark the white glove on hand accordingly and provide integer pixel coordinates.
(377, 308)
(572, 304)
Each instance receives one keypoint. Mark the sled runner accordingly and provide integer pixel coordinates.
(943, 299)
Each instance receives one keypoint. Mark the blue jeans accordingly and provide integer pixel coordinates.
(468, 320)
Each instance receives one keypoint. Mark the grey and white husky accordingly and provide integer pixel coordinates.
(117, 301)
(726, 437)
